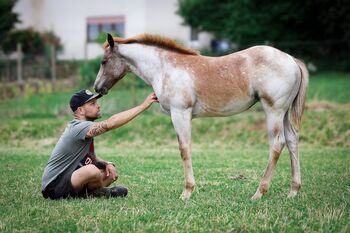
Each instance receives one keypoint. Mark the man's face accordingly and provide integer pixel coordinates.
(91, 110)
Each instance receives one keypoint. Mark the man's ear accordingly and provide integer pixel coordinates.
(81, 110)
(110, 40)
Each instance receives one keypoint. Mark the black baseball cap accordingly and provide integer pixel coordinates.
(81, 97)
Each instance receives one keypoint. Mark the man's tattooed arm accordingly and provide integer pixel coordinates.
(121, 118)
(97, 129)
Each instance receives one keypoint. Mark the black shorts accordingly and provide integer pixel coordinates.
(62, 187)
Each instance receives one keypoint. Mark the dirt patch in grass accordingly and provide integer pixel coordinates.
(325, 105)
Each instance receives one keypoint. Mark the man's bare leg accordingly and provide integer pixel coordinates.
(89, 176)
(95, 180)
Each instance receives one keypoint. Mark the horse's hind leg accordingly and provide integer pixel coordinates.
(274, 119)
(291, 136)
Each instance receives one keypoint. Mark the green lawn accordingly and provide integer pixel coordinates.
(154, 177)
(333, 87)
(149, 164)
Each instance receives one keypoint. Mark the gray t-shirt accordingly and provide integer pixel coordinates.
(70, 149)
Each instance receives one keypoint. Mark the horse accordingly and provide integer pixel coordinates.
(189, 85)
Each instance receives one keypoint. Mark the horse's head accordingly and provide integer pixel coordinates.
(112, 69)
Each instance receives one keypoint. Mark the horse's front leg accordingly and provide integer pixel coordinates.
(181, 119)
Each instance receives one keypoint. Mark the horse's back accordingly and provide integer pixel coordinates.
(230, 84)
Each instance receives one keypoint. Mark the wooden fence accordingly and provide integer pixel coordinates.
(27, 71)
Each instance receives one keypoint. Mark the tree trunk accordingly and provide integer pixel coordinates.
(19, 68)
(53, 67)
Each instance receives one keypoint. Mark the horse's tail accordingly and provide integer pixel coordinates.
(298, 105)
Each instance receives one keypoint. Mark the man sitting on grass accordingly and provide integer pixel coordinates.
(73, 169)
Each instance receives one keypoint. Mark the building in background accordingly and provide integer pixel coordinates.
(77, 23)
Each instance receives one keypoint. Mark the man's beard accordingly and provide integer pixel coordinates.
(93, 118)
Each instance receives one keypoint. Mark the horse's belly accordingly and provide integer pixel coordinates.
(202, 109)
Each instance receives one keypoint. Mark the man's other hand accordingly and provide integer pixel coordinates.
(111, 172)
(149, 100)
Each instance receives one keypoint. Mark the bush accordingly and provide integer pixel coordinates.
(31, 41)
(88, 72)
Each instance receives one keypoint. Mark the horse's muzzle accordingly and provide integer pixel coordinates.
(102, 90)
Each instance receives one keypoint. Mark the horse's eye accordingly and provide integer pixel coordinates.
(104, 62)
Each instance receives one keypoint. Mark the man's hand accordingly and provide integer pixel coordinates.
(111, 172)
(149, 100)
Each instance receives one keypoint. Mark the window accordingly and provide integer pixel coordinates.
(194, 34)
(98, 25)
(93, 32)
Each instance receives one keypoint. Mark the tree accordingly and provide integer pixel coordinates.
(288, 24)
(7, 18)
(31, 41)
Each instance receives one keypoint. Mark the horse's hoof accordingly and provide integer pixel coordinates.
(185, 196)
(257, 196)
(292, 193)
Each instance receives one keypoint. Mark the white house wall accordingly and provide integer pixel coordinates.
(67, 18)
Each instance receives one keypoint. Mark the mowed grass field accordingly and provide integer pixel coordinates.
(229, 158)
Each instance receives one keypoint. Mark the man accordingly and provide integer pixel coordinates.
(73, 169)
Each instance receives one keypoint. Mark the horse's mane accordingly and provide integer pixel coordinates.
(155, 40)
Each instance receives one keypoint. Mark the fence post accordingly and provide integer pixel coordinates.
(7, 70)
(19, 67)
(133, 90)
(53, 67)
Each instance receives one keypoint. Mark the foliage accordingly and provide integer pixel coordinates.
(33, 42)
(315, 29)
(88, 71)
(7, 18)
(50, 38)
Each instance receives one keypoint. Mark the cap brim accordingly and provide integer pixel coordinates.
(96, 96)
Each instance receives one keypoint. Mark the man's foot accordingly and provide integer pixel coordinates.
(117, 191)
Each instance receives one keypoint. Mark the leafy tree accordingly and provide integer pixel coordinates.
(50, 38)
(31, 41)
(7, 18)
(315, 28)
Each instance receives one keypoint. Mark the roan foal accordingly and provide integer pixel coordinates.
(189, 85)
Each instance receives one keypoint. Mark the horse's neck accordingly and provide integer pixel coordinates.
(144, 61)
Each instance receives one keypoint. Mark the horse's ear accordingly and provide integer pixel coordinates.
(110, 40)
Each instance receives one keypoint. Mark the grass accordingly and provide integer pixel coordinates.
(149, 164)
(155, 178)
(333, 87)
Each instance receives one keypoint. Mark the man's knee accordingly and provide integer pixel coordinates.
(92, 172)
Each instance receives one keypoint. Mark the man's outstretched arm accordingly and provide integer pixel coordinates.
(120, 119)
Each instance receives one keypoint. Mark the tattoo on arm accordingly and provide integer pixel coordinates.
(97, 129)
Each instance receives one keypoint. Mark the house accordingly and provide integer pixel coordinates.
(77, 23)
